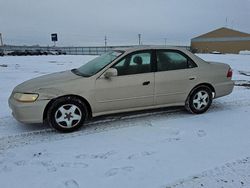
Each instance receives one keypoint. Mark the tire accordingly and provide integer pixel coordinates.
(199, 100)
(67, 114)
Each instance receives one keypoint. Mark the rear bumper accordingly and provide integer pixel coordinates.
(28, 112)
(224, 88)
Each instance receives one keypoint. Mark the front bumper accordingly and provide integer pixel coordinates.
(28, 112)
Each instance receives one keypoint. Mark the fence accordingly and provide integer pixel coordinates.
(93, 50)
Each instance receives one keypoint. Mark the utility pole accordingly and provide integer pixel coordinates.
(1, 39)
(232, 23)
(105, 42)
(139, 38)
(165, 40)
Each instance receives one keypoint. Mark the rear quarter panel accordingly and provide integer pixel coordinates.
(215, 74)
(222, 84)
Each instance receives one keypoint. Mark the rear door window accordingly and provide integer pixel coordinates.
(173, 60)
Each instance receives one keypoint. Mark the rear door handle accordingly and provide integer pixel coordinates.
(146, 83)
(192, 78)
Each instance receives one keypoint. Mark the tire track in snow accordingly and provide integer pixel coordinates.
(93, 127)
(230, 175)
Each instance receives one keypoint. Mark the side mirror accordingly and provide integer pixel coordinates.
(111, 72)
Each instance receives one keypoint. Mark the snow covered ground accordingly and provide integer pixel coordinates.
(160, 148)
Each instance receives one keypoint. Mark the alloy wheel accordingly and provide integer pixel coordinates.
(68, 115)
(201, 100)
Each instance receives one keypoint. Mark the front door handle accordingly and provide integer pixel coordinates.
(146, 83)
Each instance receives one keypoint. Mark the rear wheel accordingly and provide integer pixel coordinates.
(199, 100)
(67, 114)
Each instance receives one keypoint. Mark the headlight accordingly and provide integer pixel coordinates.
(26, 97)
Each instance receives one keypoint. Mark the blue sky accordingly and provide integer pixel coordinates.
(86, 22)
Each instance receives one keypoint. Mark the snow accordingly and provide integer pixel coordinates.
(159, 148)
(216, 52)
(244, 52)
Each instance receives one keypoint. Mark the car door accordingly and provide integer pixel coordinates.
(175, 77)
(133, 87)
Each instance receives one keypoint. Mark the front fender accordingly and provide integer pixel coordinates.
(49, 93)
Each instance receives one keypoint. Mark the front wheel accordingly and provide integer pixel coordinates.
(67, 114)
(199, 100)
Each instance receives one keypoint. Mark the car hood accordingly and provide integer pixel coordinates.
(46, 81)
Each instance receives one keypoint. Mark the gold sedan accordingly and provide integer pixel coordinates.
(121, 81)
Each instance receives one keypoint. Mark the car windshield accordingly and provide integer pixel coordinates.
(97, 64)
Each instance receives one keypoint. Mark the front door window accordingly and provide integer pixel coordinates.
(137, 63)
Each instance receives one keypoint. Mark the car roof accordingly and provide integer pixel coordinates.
(151, 47)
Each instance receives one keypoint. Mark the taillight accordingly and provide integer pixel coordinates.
(229, 73)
